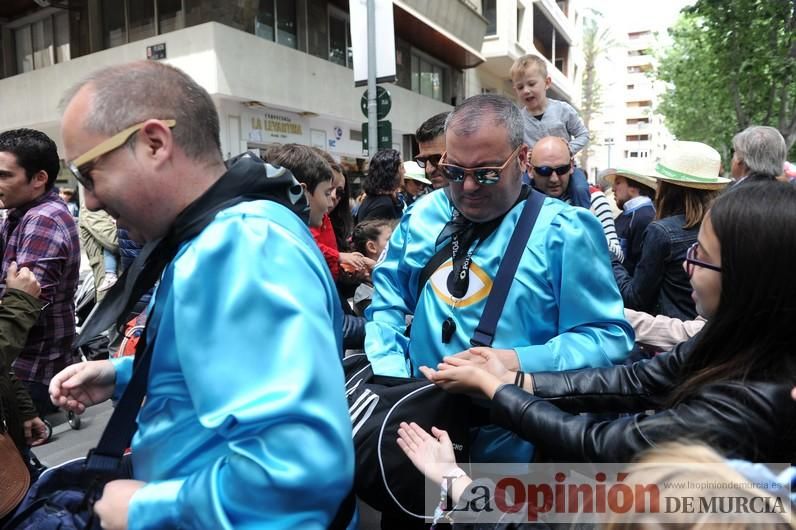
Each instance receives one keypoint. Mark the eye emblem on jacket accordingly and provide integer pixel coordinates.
(478, 289)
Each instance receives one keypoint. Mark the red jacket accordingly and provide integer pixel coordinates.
(327, 242)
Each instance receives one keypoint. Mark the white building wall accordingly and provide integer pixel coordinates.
(235, 68)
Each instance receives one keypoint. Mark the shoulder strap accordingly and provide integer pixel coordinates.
(485, 331)
(433, 264)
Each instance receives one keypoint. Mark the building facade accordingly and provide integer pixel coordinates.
(515, 28)
(278, 70)
(629, 129)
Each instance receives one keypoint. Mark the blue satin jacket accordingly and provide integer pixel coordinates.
(245, 424)
(563, 311)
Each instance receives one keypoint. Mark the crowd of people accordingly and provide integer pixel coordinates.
(668, 322)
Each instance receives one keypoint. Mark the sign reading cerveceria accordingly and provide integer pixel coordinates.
(277, 124)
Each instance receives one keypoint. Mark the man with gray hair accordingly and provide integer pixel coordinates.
(231, 387)
(563, 310)
(758, 154)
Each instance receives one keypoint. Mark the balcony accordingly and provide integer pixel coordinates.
(452, 31)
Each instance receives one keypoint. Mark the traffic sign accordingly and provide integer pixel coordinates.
(384, 135)
(383, 103)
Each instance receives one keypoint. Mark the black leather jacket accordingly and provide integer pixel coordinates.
(754, 420)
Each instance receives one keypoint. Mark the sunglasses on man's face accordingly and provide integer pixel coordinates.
(81, 166)
(546, 171)
(484, 175)
(430, 159)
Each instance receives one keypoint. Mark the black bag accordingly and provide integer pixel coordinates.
(385, 478)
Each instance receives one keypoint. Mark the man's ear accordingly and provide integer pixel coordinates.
(524, 157)
(39, 179)
(158, 139)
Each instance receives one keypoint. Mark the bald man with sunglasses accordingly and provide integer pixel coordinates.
(563, 310)
(551, 167)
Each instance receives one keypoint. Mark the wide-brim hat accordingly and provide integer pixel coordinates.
(641, 173)
(415, 172)
(691, 165)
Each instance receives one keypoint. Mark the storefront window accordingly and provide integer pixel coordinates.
(170, 15)
(141, 19)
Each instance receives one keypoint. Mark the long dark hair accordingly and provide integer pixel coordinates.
(341, 217)
(692, 203)
(382, 176)
(751, 334)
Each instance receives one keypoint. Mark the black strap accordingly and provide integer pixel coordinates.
(433, 264)
(106, 458)
(485, 331)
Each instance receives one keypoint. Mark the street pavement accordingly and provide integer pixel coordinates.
(67, 443)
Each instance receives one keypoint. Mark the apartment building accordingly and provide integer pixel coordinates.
(629, 128)
(517, 27)
(278, 70)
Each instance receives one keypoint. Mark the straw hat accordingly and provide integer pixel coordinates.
(691, 165)
(415, 172)
(632, 170)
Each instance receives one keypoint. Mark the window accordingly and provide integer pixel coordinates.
(126, 21)
(340, 39)
(140, 20)
(559, 64)
(276, 21)
(427, 77)
(490, 14)
(630, 87)
(42, 43)
(423, 74)
(170, 15)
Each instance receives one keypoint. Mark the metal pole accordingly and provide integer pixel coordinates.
(373, 140)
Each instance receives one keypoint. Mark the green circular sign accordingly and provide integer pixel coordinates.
(383, 103)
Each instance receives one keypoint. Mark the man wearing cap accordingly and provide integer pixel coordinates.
(634, 191)
(415, 182)
(430, 138)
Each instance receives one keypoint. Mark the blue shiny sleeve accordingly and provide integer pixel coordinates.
(124, 371)
(258, 344)
(385, 343)
(592, 330)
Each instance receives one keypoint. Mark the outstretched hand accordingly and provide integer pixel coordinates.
(81, 385)
(432, 455)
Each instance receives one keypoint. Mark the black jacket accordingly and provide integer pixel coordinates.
(379, 207)
(753, 420)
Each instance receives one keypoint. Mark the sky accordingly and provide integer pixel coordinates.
(638, 13)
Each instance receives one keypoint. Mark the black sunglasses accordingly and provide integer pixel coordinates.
(546, 171)
(433, 159)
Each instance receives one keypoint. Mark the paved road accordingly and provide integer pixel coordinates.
(67, 443)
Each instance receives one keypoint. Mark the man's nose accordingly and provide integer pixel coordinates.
(470, 183)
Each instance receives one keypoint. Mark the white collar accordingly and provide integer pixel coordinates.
(636, 202)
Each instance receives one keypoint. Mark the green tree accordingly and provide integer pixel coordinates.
(732, 64)
(596, 41)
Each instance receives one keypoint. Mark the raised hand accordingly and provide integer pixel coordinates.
(432, 455)
(81, 385)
